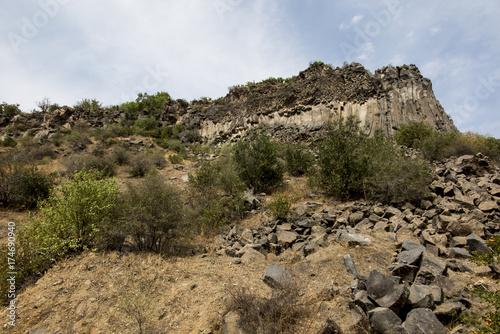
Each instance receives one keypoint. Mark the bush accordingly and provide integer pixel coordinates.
(489, 320)
(412, 134)
(88, 105)
(120, 155)
(342, 160)
(279, 313)
(216, 194)
(152, 212)
(9, 142)
(298, 160)
(22, 185)
(88, 162)
(144, 163)
(280, 207)
(144, 125)
(73, 216)
(9, 110)
(257, 162)
(394, 177)
(175, 159)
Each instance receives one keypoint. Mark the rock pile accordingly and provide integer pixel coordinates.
(418, 295)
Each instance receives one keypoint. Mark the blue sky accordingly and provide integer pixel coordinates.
(68, 50)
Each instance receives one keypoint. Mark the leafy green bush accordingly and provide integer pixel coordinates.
(298, 160)
(145, 162)
(412, 134)
(342, 160)
(489, 320)
(9, 110)
(9, 142)
(21, 184)
(73, 216)
(394, 177)
(88, 105)
(175, 159)
(216, 194)
(152, 212)
(120, 155)
(145, 125)
(257, 162)
(280, 207)
(88, 162)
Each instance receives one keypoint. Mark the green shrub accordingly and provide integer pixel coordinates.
(176, 146)
(489, 320)
(298, 160)
(394, 177)
(257, 162)
(88, 162)
(439, 146)
(120, 155)
(120, 130)
(280, 207)
(88, 105)
(9, 142)
(175, 159)
(412, 134)
(79, 138)
(73, 216)
(152, 212)
(144, 163)
(144, 125)
(342, 160)
(9, 110)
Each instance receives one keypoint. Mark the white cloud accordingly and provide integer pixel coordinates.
(355, 20)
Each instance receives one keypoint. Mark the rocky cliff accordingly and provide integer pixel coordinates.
(383, 101)
(293, 107)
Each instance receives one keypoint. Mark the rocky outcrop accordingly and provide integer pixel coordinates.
(294, 108)
(383, 101)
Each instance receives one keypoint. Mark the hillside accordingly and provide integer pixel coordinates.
(168, 216)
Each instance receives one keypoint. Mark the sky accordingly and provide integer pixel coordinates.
(110, 50)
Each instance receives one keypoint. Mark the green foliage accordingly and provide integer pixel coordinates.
(73, 216)
(120, 130)
(488, 321)
(8, 142)
(120, 155)
(257, 162)
(298, 160)
(412, 134)
(351, 165)
(144, 163)
(9, 110)
(88, 105)
(144, 125)
(175, 159)
(394, 177)
(342, 159)
(152, 212)
(88, 162)
(146, 104)
(280, 207)
(216, 194)
(318, 65)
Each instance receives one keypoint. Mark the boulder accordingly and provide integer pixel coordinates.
(287, 237)
(350, 266)
(386, 291)
(477, 244)
(422, 320)
(351, 238)
(430, 268)
(420, 296)
(277, 276)
(385, 321)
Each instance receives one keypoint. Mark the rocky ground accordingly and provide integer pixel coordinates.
(363, 266)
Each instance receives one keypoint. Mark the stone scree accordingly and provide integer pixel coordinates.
(418, 296)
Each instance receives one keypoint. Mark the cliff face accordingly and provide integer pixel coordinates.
(293, 108)
(383, 101)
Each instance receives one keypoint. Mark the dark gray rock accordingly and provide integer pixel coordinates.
(362, 300)
(406, 272)
(355, 218)
(459, 253)
(351, 239)
(385, 321)
(448, 312)
(477, 244)
(411, 257)
(421, 296)
(277, 276)
(409, 245)
(422, 320)
(386, 291)
(430, 268)
(350, 266)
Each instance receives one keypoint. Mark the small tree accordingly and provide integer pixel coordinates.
(257, 162)
(342, 161)
(44, 104)
(151, 212)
